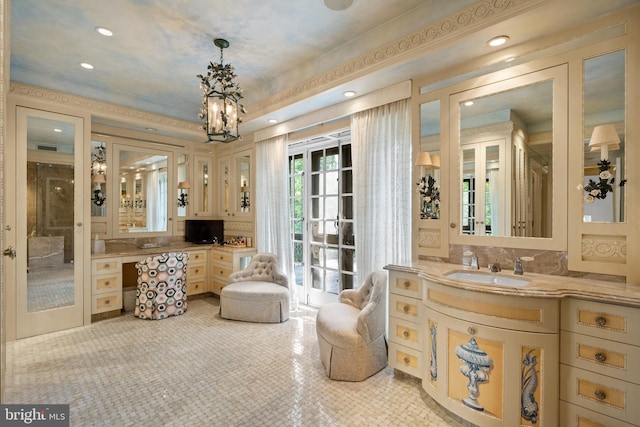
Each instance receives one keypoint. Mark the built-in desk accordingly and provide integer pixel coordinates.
(207, 270)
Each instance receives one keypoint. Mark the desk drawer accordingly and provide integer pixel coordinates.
(222, 257)
(195, 271)
(221, 272)
(106, 302)
(606, 395)
(405, 359)
(106, 266)
(196, 257)
(106, 283)
(195, 287)
(405, 308)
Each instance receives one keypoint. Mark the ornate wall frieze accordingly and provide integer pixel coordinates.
(610, 249)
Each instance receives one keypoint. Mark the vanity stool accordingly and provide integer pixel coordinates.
(162, 286)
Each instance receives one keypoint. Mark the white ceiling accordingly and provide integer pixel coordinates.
(159, 46)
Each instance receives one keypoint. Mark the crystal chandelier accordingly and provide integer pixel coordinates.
(221, 94)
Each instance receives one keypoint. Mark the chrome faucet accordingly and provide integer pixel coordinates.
(517, 267)
(495, 267)
(474, 262)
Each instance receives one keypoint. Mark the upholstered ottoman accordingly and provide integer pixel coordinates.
(250, 301)
(259, 293)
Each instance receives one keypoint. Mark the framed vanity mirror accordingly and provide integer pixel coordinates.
(509, 141)
(143, 179)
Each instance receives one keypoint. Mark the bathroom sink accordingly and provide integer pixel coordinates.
(488, 278)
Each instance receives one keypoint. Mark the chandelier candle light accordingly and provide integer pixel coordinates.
(220, 99)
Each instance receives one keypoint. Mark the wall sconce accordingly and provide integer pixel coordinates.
(98, 198)
(183, 198)
(244, 198)
(604, 139)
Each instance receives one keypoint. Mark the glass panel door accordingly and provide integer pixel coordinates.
(321, 201)
(49, 279)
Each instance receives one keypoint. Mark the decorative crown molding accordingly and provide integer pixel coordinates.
(483, 12)
(102, 109)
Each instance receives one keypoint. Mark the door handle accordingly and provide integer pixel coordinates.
(10, 252)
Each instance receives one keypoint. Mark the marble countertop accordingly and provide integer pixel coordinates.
(126, 249)
(539, 286)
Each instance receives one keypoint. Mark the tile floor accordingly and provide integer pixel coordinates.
(201, 370)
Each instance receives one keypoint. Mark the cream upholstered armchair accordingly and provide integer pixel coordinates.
(351, 333)
(259, 293)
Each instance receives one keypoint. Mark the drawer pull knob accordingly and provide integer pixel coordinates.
(107, 283)
(471, 330)
(106, 301)
(600, 321)
(601, 357)
(406, 284)
(600, 394)
(107, 265)
(405, 360)
(405, 308)
(405, 333)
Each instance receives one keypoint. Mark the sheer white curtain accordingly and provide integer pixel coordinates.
(273, 228)
(381, 146)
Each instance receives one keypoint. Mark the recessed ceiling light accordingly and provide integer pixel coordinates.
(151, 129)
(86, 66)
(57, 130)
(498, 41)
(349, 93)
(104, 31)
(273, 121)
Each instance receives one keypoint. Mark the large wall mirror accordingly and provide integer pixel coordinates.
(143, 179)
(509, 137)
(604, 138)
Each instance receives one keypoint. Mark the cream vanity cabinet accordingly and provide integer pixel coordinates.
(225, 261)
(197, 277)
(491, 359)
(405, 317)
(106, 285)
(235, 185)
(600, 364)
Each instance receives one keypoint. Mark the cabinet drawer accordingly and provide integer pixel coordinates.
(404, 284)
(197, 257)
(509, 312)
(107, 302)
(575, 416)
(106, 283)
(609, 321)
(405, 359)
(405, 308)
(216, 286)
(222, 257)
(195, 271)
(405, 333)
(606, 395)
(195, 287)
(221, 272)
(605, 357)
(106, 266)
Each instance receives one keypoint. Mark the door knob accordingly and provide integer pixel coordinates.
(10, 252)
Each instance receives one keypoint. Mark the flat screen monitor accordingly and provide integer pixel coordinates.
(204, 231)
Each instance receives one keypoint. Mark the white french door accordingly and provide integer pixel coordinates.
(48, 185)
(321, 201)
